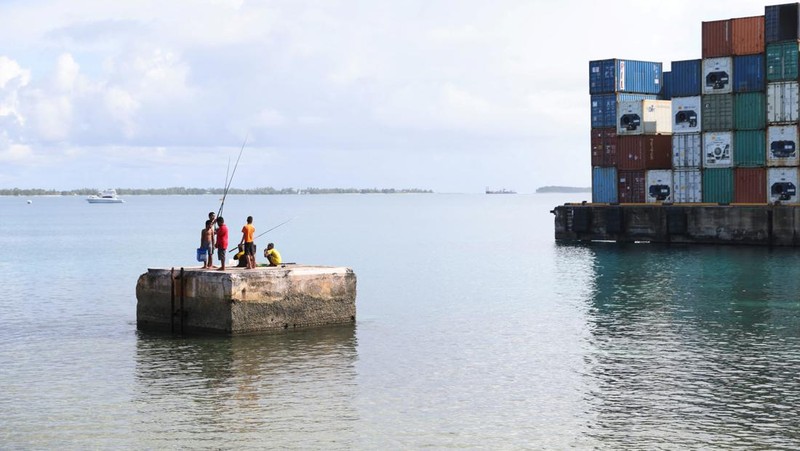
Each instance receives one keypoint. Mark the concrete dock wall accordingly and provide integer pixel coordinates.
(769, 225)
(237, 301)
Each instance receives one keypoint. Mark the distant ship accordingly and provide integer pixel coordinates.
(502, 191)
(108, 196)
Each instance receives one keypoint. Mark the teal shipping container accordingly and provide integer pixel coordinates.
(749, 111)
(616, 75)
(718, 185)
(782, 61)
(717, 112)
(604, 185)
(750, 148)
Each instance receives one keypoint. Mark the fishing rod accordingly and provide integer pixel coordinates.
(270, 230)
(227, 174)
(229, 181)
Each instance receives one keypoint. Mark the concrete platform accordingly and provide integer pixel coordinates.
(752, 224)
(241, 301)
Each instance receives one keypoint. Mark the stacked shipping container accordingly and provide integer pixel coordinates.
(733, 118)
(686, 119)
(623, 90)
(781, 36)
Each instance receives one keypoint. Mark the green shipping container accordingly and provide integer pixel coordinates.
(750, 148)
(750, 111)
(718, 185)
(782, 61)
(717, 112)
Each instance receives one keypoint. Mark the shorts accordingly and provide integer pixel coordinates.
(221, 254)
(209, 250)
(250, 248)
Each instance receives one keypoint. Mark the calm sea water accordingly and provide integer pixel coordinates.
(474, 330)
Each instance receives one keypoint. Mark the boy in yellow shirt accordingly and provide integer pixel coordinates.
(272, 255)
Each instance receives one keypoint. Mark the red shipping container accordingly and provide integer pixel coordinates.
(750, 185)
(604, 147)
(717, 39)
(631, 186)
(644, 152)
(748, 35)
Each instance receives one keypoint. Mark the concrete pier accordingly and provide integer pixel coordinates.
(240, 301)
(755, 224)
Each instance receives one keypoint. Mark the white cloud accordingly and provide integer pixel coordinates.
(67, 72)
(269, 118)
(122, 107)
(11, 71)
(425, 81)
(51, 115)
(12, 79)
(16, 153)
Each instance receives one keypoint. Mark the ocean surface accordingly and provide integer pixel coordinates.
(475, 330)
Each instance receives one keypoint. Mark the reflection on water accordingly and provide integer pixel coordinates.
(495, 337)
(693, 347)
(271, 391)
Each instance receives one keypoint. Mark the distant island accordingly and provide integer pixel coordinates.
(563, 189)
(217, 191)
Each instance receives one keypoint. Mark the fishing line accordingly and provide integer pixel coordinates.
(270, 230)
(229, 181)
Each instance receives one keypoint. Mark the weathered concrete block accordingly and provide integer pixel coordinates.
(771, 225)
(238, 301)
(785, 222)
(729, 224)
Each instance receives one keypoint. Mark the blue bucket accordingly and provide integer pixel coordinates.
(202, 254)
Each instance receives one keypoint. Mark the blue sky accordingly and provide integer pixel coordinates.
(452, 96)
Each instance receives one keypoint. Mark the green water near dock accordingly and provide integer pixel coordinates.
(474, 330)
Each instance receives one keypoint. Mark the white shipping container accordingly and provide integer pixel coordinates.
(782, 104)
(687, 185)
(659, 185)
(782, 145)
(640, 117)
(687, 151)
(718, 149)
(686, 114)
(718, 75)
(782, 185)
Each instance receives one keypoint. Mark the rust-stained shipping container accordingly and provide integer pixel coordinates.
(750, 185)
(644, 152)
(747, 35)
(717, 39)
(604, 147)
(632, 184)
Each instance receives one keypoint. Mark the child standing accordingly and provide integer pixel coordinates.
(207, 243)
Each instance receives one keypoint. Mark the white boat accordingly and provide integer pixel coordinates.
(108, 196)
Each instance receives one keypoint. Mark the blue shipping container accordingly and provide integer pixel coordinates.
(781, 23)
(685, 78)
(604, 107)
(748, 73)
(615, 75)
(666, 86)
(604, 185)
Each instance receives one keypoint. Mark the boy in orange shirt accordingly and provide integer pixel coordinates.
(248, 231)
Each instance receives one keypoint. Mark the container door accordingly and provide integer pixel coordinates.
(688, 186)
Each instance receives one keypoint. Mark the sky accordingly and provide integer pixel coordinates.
(452, 96)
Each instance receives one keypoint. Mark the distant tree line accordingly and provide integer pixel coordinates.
(219, 191)
(563, 189)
